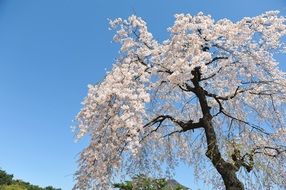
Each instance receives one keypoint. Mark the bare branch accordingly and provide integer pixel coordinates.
(263, 150)
(185, 126)
(215, 59)
(173, 132)
(228, 97)
(187, 88)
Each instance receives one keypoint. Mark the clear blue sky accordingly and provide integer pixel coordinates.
(50, 50)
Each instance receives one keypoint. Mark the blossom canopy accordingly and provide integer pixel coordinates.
(212, 92)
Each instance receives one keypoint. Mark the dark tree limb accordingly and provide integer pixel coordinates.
(187, 88)
(226, 169)
(215, 59)
(185, 126)
(263, 149)
(228, 97)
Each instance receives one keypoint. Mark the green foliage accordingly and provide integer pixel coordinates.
(5, 179)
(142, 182)
(8, 183)
(13, 187)
(127, 185)
(50, 188)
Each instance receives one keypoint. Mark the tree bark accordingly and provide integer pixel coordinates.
(225, 169)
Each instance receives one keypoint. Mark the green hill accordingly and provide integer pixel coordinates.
(8, 183)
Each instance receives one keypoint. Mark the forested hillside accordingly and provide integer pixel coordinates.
(7, 182)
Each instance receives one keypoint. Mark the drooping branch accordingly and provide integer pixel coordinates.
(215, 59)
(221, 108)
(220, 69)
(211, 76)
(165, 71)
(238, 91)
(172, 133)
(186, 87)
(227, 97)
(265, 150)
(157, 119)
(256, 127)
(185, 126)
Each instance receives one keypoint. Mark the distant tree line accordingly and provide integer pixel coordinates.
(8, 183)
(143, 182)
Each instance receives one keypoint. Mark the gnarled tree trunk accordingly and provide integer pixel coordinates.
(225, 169)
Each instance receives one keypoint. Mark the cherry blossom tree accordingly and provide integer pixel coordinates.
(212, 96)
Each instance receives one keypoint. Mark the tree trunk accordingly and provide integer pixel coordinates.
(225, 169)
